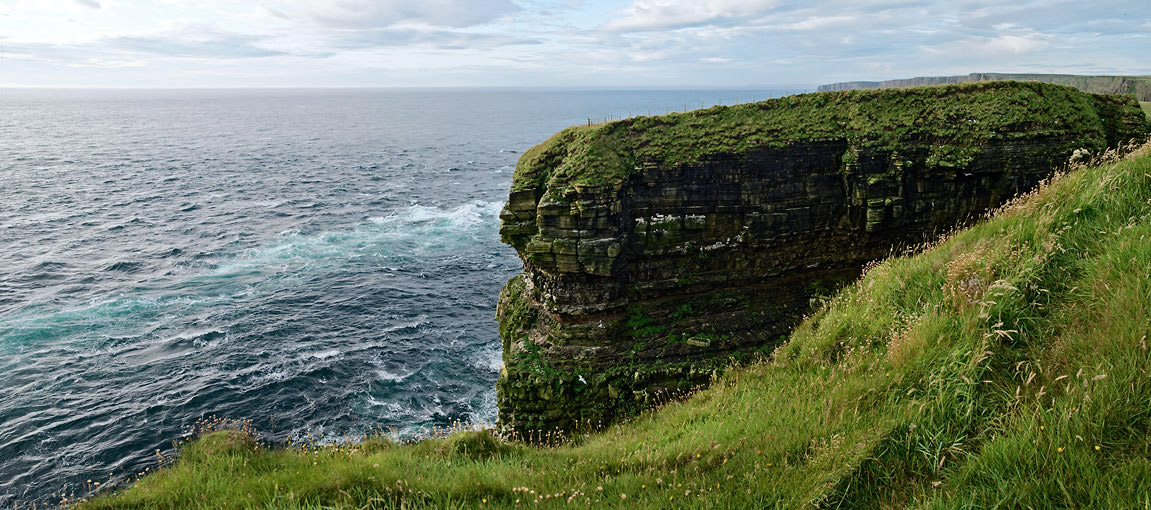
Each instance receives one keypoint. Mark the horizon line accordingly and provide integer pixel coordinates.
(796, 87)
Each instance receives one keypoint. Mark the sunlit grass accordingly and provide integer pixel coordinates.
(1004, 366)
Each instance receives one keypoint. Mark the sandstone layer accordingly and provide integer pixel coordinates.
(657, 250)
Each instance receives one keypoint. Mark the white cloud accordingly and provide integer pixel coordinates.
(562, 42)
(385, 13)
(817, 23)
(994, 46)
(644, 15)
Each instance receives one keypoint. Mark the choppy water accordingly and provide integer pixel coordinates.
(320, 262)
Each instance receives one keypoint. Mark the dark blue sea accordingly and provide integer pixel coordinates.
(321, 262)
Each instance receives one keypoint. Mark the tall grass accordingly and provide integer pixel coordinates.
(1004, 366)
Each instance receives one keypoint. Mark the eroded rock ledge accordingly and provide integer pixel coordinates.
(657, 249)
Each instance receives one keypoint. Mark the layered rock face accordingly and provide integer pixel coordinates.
(657, 250)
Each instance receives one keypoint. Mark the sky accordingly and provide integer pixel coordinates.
(557, 43)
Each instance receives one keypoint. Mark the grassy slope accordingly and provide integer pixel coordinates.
(1146, 108)
(1007, 365)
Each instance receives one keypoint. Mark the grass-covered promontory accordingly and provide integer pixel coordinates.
(952, 121)
(1005, 366)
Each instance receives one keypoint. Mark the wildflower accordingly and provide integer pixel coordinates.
(1097, 448)
(485, 500)
(1041, 427)
(669, 498)
(697, 455)
(1060, 449)
(622, 496)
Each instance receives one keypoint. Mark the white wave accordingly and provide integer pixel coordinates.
(490, 358)
(324, 354)
(465, 215)
(388, 376)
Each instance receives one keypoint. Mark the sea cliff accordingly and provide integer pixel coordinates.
(659, 250)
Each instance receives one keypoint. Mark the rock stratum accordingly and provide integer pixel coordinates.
(658, 250)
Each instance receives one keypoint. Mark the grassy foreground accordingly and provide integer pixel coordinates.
(1005, 366)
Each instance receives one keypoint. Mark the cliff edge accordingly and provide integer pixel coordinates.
(657, 250)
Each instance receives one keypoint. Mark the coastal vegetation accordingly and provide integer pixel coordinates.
(603, 154)
(1004, 365)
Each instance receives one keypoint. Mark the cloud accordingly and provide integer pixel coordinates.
(277, 13)
(193, 41)
(994, 46)
(647, 15)
(441, 39)
(386, 13)
(126, 50)
(817, 23)
(109, 63)
(567, 42)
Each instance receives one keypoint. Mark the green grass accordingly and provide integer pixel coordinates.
(1006, 366)
(954, 121)
(1146, 108)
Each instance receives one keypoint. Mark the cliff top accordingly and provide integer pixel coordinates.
(1140, 86)
(604, 154)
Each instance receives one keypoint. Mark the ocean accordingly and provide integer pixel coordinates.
(320, 262)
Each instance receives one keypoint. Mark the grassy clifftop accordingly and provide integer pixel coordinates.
(953, 121)
(1139, 86)
(1007, 365)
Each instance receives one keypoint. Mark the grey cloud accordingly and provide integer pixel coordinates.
(970, 16)
(442, 39)
(189, 43)
(277, 13)
(217, 46)
(385, 13)
(89, 3)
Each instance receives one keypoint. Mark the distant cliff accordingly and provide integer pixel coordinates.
(657, 250)
(1138, 86)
